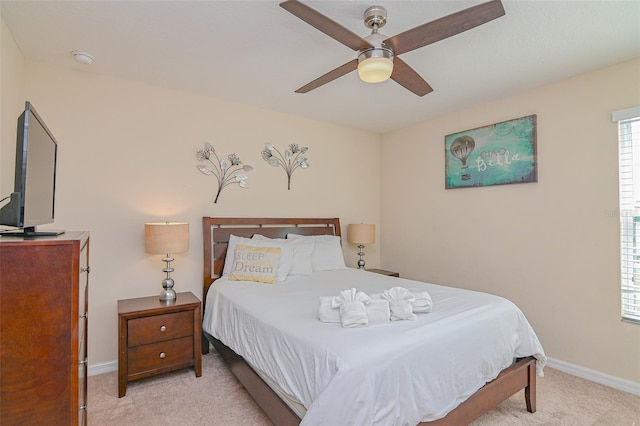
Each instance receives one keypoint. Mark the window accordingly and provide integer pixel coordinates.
(629, 172)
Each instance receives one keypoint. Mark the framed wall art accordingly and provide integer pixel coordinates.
(497, 154)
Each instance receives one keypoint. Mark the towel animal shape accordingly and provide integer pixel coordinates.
(422, 303)
(351, 303)
(355, 309)
(377, 311)
(400, 300)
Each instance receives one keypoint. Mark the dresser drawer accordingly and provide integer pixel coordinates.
(160, 328)
(159, 355)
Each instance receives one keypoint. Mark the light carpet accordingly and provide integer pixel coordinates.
(217, 398)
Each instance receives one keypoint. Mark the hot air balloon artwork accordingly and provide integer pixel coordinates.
(496, 154)
(461, 148)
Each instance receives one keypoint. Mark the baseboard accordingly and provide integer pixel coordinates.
(595, 376)
(106, 367)
(566, 367)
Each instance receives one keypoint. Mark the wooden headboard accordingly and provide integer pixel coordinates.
(216, 231)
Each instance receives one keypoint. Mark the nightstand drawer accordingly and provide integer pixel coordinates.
(160, 328)
(159, 355)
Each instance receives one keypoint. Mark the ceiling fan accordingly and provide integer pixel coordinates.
(378, 54)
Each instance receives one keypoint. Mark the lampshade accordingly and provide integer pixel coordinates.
(166, 237)
(375, 65)
(361, 233)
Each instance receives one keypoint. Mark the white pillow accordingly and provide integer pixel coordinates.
(327, 251)
(286, 256)
(302, 253)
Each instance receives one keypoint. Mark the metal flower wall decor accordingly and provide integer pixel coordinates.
(292, 159)
(227, 171)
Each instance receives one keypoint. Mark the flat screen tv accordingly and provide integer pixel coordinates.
(33, 201)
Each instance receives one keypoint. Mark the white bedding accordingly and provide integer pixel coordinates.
(400, 373)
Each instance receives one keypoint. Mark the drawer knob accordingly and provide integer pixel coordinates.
(86, 269)
(163, 328)
(162, 355)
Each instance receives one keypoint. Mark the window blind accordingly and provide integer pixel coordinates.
(629, 175)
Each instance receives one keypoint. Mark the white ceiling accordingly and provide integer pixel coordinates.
(255, 52)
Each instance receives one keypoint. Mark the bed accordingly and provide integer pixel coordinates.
(303, 371)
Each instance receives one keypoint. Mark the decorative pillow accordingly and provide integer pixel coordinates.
(327, 251)
(286, 255)
(302, 252)
(252, 263)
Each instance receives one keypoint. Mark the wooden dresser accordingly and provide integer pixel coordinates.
(43, 329)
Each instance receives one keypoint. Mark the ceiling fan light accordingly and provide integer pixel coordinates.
(375, 65)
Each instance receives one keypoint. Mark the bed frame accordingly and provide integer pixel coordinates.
(520, 375)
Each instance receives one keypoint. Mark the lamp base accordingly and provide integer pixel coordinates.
(361, 254)
(167, 294)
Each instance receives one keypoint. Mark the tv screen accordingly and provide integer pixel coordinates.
(33, 201)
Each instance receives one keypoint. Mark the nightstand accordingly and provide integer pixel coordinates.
(155, 337)
(383, 272)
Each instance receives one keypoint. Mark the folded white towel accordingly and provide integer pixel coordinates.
(353, 313)
(378, 311)
(354, 308)
(423, 303)
(326, 312)
(400, 303)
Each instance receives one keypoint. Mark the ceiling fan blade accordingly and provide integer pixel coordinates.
(326, 25)
(444, 27)
(330, 76)
(406, 76)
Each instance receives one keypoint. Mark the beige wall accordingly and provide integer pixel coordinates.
(127, 156)
(11, 104)
(551, 246)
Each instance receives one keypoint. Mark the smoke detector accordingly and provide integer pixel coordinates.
(82, 57)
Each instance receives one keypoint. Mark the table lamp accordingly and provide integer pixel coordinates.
(361, 234)
(166, 238)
